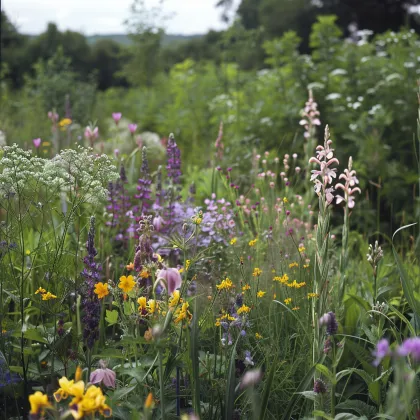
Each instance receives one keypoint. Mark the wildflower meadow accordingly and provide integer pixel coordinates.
(156, 276)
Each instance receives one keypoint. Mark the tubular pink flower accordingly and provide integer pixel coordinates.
(349, 176)
(310, 117)
(132, 127)
(324, 175)
(116, 117)
(37, 142)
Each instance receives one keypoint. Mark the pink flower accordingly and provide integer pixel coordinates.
(53, 116)
(103, 375)
(351, 180)
(36, 142)
(310, 117)
(170, 279)
(116, 116)
(325, 158)
(91, 133)
(131, 127)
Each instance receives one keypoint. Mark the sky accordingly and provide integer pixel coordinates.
(107, 16)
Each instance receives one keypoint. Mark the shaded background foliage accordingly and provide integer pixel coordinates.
(253, 76)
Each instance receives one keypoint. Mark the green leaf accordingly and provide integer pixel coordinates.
(120, 393)
(35, 335)
(323, 414)
(111, 317)
(230, 388)
(310, 395)
(267, 388)
(360, 407)
(407, 284)
(16, 369)
(326, 372)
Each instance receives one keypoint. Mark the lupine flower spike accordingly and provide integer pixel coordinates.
(90, 301)
(349, 187)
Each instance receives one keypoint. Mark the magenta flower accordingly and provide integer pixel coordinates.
(36, 142)
(350, 179)
(131, 127)
(103, 375)
(382, 350)
(170, 279)
(116, 116)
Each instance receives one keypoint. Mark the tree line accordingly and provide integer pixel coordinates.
(112, 64)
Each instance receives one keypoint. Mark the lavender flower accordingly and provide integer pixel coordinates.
(103, 375)
(410, 347)
(382, 350)
(90, 302)
(349, 188)
(330, 322)
(144, 183)
(116, 116)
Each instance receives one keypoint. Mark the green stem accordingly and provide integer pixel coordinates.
(161, 385)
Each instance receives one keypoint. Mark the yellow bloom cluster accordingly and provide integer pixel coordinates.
(283, 279)
(187, 265)
(39, 402)
(258, 336)
(287, 301)
(296, 308)
(285, 200)
(312, 295)
(226, 284)
(246, 287)
(183, 313)
(147, 306)
(296, 285)
(85, 402)
(293, 264)
(44, 294)
(224, 317)
(233, 241)
(253, 242)
(244, 309)
(175, 299)
(144, 274)
(257, 272)
(301, 249)
(261, 294)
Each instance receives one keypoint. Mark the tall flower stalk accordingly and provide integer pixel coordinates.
(322, 177)
(144, 183)
(349, 189)
(91, 305)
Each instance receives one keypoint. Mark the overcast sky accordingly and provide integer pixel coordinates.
(107, 16)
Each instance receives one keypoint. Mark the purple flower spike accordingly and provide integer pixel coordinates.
(103, 375)
(330, 322)
(90, 302)
(170, 279)
(382, 350)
